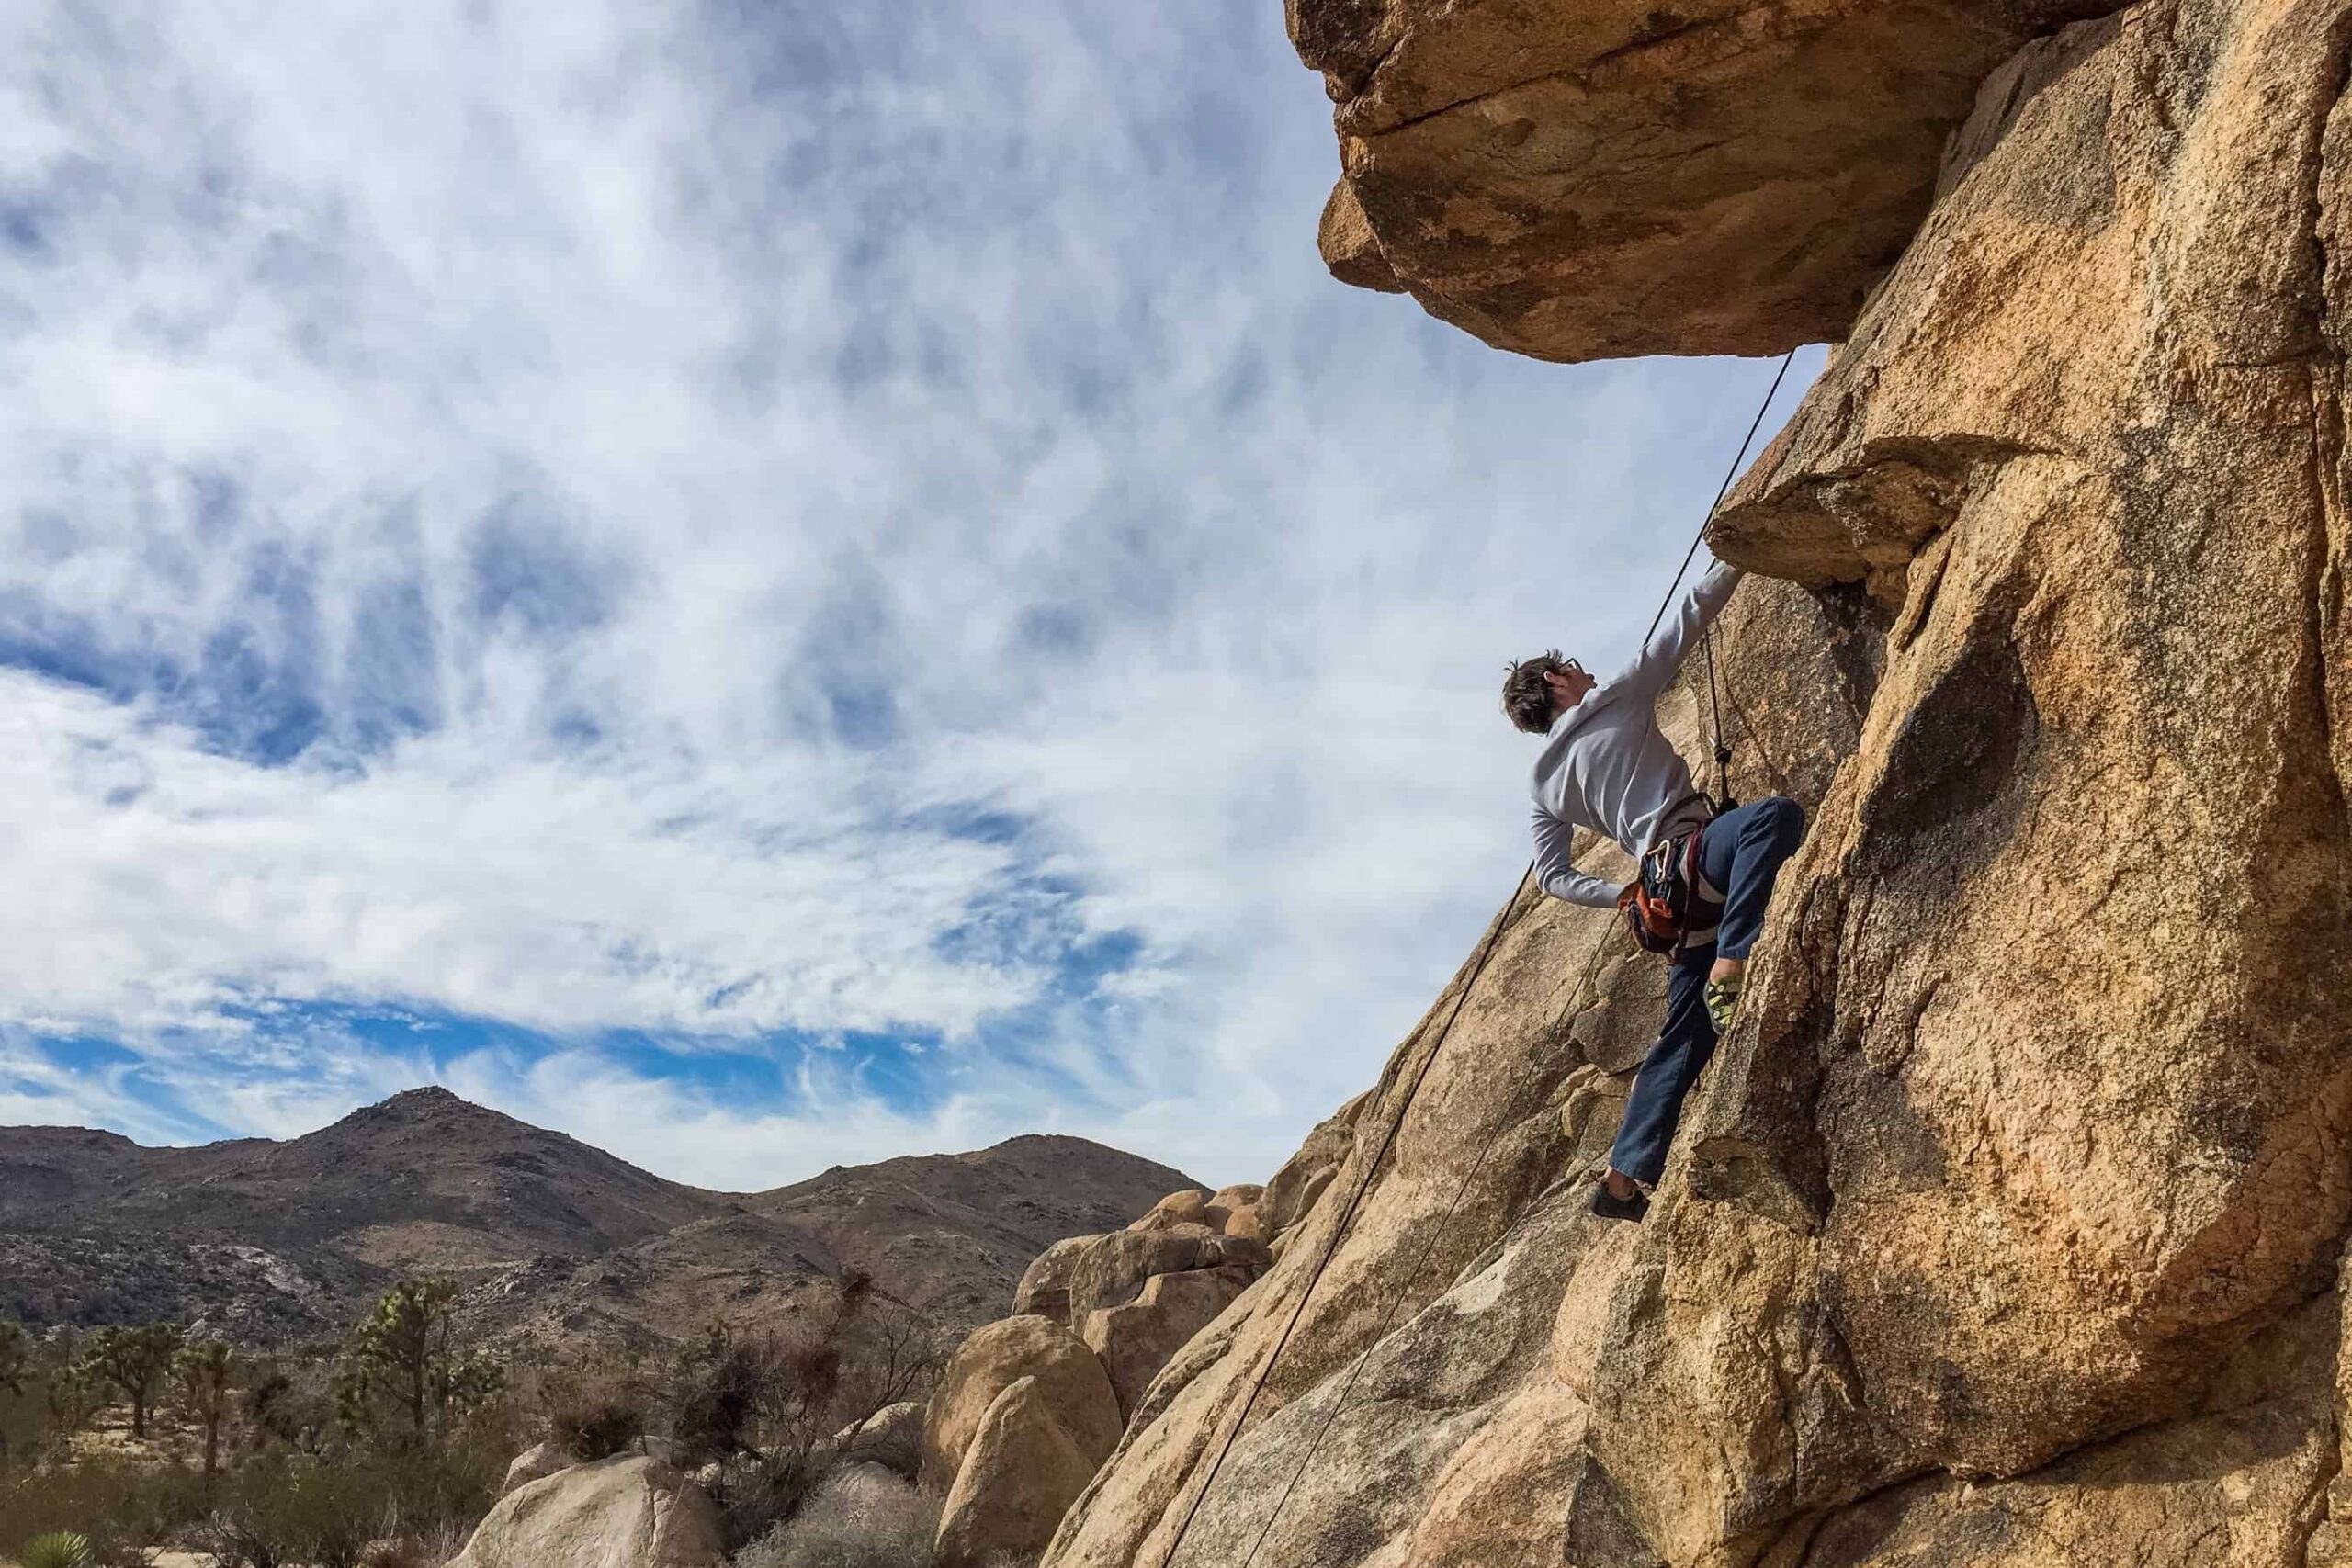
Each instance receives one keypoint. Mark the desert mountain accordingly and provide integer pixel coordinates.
(273, 1242)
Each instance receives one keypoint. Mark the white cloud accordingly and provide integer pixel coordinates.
(660, 475)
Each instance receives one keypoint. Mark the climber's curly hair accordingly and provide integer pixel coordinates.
(1527, 701)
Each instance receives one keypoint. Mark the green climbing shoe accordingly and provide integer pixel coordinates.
(1723, 1003)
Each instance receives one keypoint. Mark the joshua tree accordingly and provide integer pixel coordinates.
(134, 1360)
(406, 1351)
(15, 1361)
(67, 1399)
(205, 1372)
(15, 1357)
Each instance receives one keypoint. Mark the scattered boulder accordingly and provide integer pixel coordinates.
(1287, 1199)
(533, 1464)
(1069, 1380)
(626, 1512)
(1023, 1472)
(1044, 1289)
(1113, 1271)
(1190, 1207)
(1239, 1205)
(1137, 1296)
(1240, 1195)
(892, 1437)
(1135, 1341)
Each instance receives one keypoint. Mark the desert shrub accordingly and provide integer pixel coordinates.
(597, 1422)
(123, 1507)
(859, 1518)
(285, 1510)
(279, 1409)
(282, 1508)
(766, 1407)
(18, 1371)
(58, 1549)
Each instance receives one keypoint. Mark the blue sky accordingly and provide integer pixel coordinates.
(765, 586)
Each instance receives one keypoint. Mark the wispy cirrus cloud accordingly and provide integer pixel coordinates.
(765, 585)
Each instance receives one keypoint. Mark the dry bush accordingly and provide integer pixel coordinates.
(123, 1507)
(766, 1407)
(860, 1517)
(597, 1424)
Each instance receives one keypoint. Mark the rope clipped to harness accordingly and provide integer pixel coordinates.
(1723, 800)
(1658, 905)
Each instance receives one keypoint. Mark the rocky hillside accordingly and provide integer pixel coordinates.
(2005, 1227)
(560, 1242)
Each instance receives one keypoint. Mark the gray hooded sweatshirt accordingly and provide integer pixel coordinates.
(1607, 766)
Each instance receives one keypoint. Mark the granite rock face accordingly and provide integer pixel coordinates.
(1461, 1440)
(2045, 1177)
(2005, 1227)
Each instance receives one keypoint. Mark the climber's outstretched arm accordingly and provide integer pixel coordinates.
(1555, 871)
(1646, 676)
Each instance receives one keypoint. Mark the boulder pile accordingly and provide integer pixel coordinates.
(1029, 1406)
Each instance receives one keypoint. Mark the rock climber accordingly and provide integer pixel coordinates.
(1607, 766)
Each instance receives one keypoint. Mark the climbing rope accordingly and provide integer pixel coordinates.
(1388, 1138)
(1338, 1233)
(1724, 801)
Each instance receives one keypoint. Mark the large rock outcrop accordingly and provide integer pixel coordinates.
(2045, 1180)
(1461, 1438)
(2006, 1228)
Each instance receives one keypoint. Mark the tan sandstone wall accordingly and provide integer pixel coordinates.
(2005, 1229)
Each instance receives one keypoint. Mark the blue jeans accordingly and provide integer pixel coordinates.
(1740, 853)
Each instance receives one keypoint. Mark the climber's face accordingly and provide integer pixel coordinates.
(1569, 685)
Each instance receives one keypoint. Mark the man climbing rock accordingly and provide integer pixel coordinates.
(1607, 767)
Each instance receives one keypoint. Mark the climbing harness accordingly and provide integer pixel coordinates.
(1388, 1138)
(1671, 902)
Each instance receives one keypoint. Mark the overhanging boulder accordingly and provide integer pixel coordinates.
(1581, 181)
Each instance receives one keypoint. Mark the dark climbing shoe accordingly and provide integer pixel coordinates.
(1610, 1207)
(1723, 1003)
